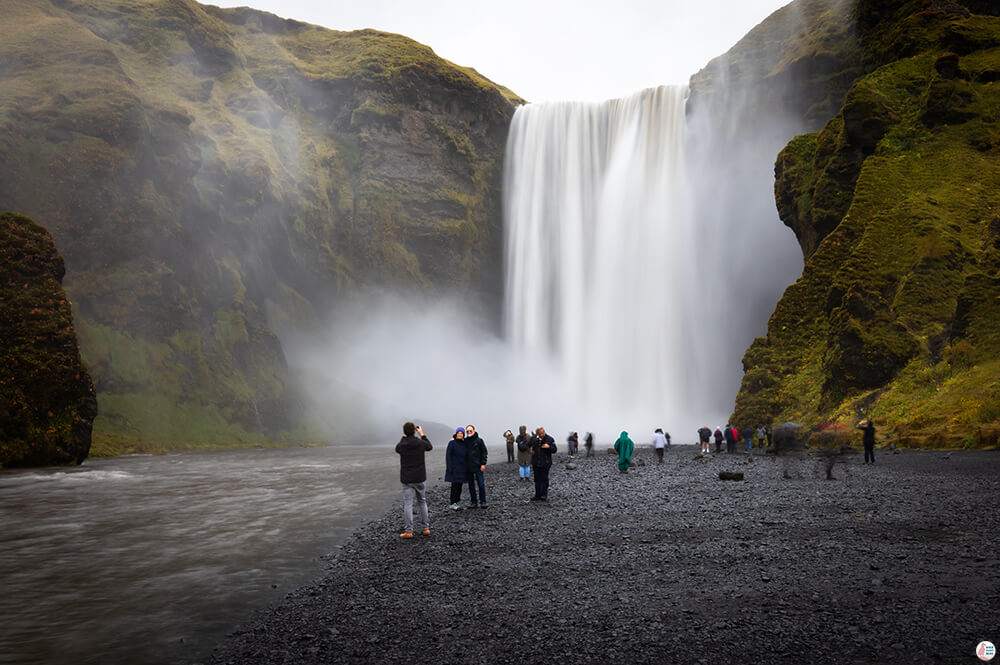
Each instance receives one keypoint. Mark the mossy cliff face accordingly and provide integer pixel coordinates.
(896, 205)
(47, 400)
(213, 175)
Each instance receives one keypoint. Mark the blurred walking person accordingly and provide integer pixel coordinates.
(573, 443)
(868, 439)
(413, 476)
(659, 443)
(747, 438)
(761, 435)
(588, 443)
(718, 439)
(730, 435)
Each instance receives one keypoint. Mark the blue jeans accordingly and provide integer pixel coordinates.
(747, 444)
(525, 471)
(476, 478)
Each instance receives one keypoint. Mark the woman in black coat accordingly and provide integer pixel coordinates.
(454, 467)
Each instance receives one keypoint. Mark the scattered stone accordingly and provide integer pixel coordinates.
(730, 475)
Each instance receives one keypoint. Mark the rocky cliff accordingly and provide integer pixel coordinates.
(47, 400)
(212, 176)
(895, 205)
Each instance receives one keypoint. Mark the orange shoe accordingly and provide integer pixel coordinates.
(426, 532)
(406, 534)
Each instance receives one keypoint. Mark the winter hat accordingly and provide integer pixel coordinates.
(460, 429)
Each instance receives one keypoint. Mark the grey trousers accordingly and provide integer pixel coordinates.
(409, 491)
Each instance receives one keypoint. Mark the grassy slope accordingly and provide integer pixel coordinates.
(874, 327)
(212, 174)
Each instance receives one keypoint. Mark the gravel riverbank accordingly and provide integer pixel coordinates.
(892, 563)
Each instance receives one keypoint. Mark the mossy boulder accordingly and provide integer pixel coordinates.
(47, 400)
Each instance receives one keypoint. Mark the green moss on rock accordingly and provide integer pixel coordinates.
(894, 202)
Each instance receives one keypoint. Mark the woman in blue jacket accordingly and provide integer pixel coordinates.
(454, 467)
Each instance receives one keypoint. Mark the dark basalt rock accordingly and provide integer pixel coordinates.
(47, 400)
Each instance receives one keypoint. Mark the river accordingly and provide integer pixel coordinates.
(153, 559)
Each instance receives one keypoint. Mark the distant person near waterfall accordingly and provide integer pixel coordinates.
(624, 447)
(543, 447)
(475, 450)
(719, 436)
(730, 435)
(523, 452)
(413, 476)
(659, 443)
(868, 439)
(704, 434)
(588, 443)
(747, 438)
(572, 443)
(508, 436)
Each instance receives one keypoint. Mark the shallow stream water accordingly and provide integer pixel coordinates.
(153, 559)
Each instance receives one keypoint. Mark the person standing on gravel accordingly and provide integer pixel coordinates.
(761, 435)
(543, 447)
(659, 443)
(718, 435)
(413, 476)
(730, 435)
(704, 434)
(588, 443)
(509, 438)
(624, 448)
(523, 453)
(475, 465)
(454, 467)
(868, 439)
(747, 438)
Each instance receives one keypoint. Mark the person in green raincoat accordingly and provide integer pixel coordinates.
(624, 446)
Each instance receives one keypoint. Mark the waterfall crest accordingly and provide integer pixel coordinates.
(603, 268)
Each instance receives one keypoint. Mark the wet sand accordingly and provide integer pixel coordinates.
(892, 563)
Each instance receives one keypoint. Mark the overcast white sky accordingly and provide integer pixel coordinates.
(552, 49)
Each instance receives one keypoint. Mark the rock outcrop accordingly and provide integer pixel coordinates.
(212, 176)
(47, 400)
(894, 203)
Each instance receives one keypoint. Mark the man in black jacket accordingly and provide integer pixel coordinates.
(543, 447)
(475, 464)
(413, 474)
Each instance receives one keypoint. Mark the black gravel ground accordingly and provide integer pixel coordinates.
(892, 563)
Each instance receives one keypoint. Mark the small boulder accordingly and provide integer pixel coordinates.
(730, 475)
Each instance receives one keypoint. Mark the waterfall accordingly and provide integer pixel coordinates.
(605, 277)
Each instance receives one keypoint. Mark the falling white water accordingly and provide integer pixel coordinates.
(603, 268)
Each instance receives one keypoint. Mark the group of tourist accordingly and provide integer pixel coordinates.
(466, 456)
(732, 436)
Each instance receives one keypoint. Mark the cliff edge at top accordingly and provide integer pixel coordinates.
(217, 177)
